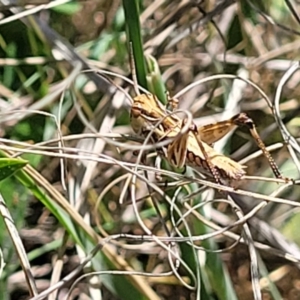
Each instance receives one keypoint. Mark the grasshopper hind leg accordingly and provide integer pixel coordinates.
(213, 170)
(243, 119)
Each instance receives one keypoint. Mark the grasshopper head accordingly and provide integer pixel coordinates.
(146, 111)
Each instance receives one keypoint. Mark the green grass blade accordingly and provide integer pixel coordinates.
(8, 166)
(132, 20)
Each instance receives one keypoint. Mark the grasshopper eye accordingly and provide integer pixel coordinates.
(136, 111)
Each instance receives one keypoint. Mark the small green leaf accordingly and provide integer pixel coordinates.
(154, 80)
(68, 8)
(10, 165)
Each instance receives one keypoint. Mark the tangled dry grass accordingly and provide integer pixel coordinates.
(97, 214)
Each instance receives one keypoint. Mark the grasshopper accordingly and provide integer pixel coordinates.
(193, 148)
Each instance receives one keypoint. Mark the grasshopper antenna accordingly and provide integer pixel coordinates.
(133, 70)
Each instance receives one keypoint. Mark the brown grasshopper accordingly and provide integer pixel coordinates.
(193, 148)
